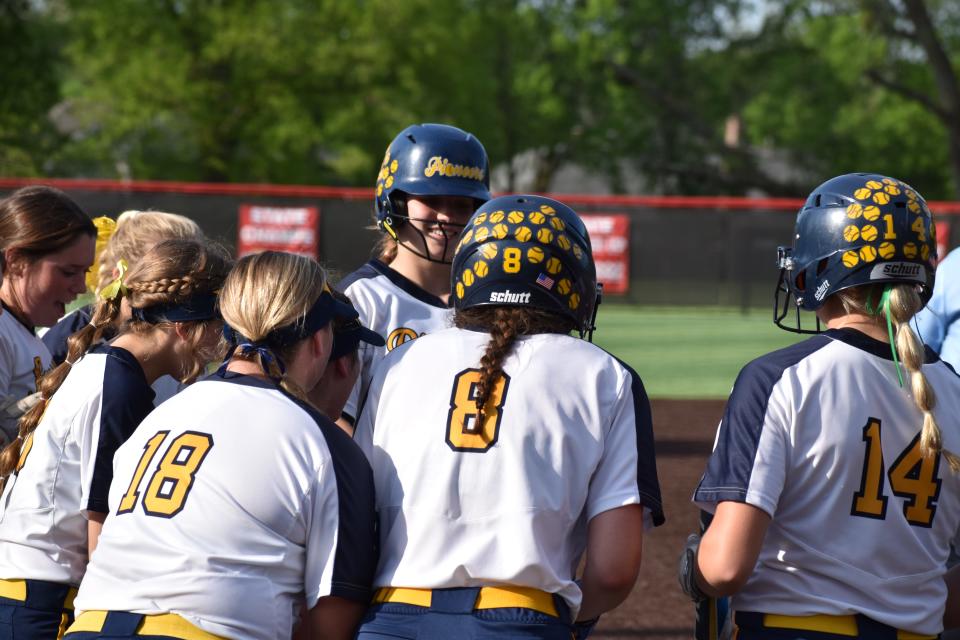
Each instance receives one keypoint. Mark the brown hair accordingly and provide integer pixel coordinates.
(36, 221)
(386, 249)
(170, 273)
(267, 291)
(136, 232)
(505, 324)
(905, 302)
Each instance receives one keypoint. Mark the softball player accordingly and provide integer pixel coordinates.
(236, 502)
(130, 237)
(58, 470)
(334, 387)
(834, 474)
(432, 179)
(46, 246)
(504, 449)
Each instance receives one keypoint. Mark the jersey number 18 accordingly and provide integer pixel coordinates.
(172, 480)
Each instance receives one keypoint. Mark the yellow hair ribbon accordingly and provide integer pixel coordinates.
(105, 230)
(116, 288)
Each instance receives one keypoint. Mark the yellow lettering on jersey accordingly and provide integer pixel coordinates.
(914, 478)
(400, 335)
(463, 432)
(37, 371)
(173, 479)
(129, 500)
(25, 451)
(869, 501)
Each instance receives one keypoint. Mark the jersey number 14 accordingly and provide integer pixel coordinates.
(913, 477)
(170, 483)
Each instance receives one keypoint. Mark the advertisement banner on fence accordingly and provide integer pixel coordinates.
(292, 229)
(610, 239)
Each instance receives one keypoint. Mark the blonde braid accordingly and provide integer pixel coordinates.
(183, 285)
(904, 304)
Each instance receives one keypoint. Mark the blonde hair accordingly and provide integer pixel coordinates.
(905, 302)
(170, 273)
(267, 291)
(135, 233)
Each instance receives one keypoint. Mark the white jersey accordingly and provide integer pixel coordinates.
(394, 307)
(66, 467)
(23, 361)
(510, 503)
(232, 504)
(821, 437)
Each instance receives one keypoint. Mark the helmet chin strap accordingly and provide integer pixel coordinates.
(425, 253)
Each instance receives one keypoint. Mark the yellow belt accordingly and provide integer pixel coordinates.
(839, 625)
(489, 598)
(17, 590)
(162, 624)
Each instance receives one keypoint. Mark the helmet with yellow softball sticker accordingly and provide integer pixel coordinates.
(528, 251)
(856, 229)
(429, 160)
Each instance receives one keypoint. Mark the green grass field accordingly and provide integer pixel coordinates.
(688, 352)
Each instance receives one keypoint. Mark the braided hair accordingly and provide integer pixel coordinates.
(170, 272)
(505, 325)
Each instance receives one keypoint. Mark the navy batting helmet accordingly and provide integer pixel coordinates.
(527, 251)
(857, 229)
(430, 160)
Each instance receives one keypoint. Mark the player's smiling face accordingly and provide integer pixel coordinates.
(40, 289)
(440, 219)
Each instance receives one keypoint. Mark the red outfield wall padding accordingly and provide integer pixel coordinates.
(354, 193)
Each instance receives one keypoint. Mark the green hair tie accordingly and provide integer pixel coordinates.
(885, 304)
(117, 288)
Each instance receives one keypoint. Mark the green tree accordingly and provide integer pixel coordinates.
(30, 59)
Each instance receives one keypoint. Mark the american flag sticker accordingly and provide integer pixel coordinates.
(545, 281)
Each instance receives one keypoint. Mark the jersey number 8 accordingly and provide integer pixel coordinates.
(170, 484)
(463, 432)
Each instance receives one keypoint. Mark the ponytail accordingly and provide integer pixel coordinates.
(505, 325)
(904, 304)
(503, 333)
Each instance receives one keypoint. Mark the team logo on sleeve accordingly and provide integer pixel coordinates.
(401, 335)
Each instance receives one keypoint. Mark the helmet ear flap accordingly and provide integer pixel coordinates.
(392, 212)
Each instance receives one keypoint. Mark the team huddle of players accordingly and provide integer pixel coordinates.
(432, 447)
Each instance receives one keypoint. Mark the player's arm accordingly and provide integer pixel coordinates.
(951, 617)
(730, 547)
(612, 562)
(332, 618)
(95, 521)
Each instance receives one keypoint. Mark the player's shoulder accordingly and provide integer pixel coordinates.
(769, 368)
(358, 278)
(13, 332)
(116, 370)
(378, 281)
(345, 453)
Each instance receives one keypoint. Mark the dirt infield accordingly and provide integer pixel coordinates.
(684, 431)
